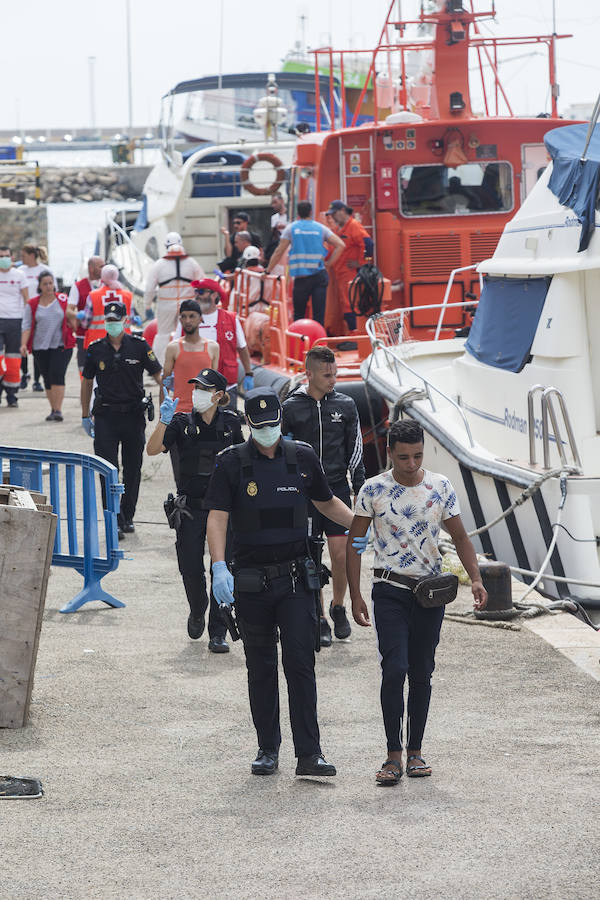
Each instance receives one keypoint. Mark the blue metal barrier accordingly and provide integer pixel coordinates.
(27, 470)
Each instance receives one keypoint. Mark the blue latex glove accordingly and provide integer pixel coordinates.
(80, 314)
(88, 426)
(136, 320)
(168, 408)
(222, 584)
(290, 437)
(360, 543)
(149, 314)
(248, 382)
(169, 382)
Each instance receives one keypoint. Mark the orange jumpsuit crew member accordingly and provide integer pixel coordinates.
(358, 246)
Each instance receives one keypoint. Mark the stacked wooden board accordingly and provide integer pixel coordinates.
(27, 529)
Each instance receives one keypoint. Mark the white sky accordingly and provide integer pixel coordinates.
(45, 45)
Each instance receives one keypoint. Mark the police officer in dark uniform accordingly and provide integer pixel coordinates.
(198, 437)
(264, 485)
(118, 362)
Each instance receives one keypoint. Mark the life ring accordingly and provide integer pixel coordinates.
(262, 157)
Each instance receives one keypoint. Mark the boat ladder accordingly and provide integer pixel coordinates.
(550, 426)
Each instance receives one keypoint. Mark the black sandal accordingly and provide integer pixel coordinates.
(395, 775)
(417, 771)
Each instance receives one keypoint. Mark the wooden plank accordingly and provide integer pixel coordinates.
(26, 541)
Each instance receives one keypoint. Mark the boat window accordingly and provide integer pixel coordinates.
(506, 321)
(466, 190)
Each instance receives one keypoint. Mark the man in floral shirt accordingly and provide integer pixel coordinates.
(407, 506)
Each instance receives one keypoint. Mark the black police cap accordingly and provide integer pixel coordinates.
(115, 311)
(211, 379)
(262, 407)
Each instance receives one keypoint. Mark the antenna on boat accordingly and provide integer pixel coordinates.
(220, 80)
(554, 83)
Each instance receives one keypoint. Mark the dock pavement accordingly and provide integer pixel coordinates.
(143, 742)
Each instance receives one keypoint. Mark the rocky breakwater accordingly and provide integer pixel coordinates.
(60, 185)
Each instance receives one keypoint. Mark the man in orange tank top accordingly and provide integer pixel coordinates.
(358, 245)
(187, 355)
(184, 358)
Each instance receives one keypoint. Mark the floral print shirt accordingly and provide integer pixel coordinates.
(407, 521)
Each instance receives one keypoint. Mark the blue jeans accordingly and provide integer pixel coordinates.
(311, 287)
(407, 635)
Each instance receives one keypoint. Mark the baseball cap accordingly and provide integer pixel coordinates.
(251, 253)
(335, 206)
(209, 284)
(190, 306)
(262, 407)
(115, 311)
(173, 238)
(211, 379)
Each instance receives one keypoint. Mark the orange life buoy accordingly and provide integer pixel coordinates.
(262, 157)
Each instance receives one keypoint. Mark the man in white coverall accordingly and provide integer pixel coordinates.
(169, 279)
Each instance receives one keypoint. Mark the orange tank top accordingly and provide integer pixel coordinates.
(187, 365)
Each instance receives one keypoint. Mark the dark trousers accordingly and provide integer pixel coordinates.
(52, 365)
(25, 367)
(128, 431)
(191, 539)
(294, 613)
(407, 636)
(314, 288)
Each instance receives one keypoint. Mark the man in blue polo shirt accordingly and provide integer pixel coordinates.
(306, 240)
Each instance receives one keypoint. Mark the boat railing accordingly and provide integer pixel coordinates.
(130, 259)
(267, 295)
(430, 389)
(549, 417)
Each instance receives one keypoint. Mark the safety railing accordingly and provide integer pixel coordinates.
(129, 258)
(71, 487)
(549, 416)
(284, 347)
(392, 357)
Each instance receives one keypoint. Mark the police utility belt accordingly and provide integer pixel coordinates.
(256, 579)
(430, 591)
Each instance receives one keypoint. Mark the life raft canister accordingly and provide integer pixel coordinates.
(262, 157)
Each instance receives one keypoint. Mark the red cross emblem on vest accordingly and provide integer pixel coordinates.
(229, 335)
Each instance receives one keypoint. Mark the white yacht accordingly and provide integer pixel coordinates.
(197, 192)
(514, 406)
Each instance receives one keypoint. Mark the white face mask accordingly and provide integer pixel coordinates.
(202, 400)
(266, 436)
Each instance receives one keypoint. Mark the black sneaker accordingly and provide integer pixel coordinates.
(127, 526)
(12, 400)
(36, 386)
(24, 382)
(218, 645)
(341, 625)
(195, 626)
(325, 632)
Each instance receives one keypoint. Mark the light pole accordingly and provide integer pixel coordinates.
(129, 91)
(91, 66)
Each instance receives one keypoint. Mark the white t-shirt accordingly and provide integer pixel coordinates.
(11, 299)
(31, 275)
(278, 219)
(407, 521)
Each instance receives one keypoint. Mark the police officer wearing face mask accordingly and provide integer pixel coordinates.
(264, 486)
(118, 362)
(198, 436)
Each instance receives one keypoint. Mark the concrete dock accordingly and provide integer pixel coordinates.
(143, 742)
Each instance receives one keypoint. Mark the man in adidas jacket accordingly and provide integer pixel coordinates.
(328, 421)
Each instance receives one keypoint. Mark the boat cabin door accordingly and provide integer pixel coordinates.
(534, 159)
